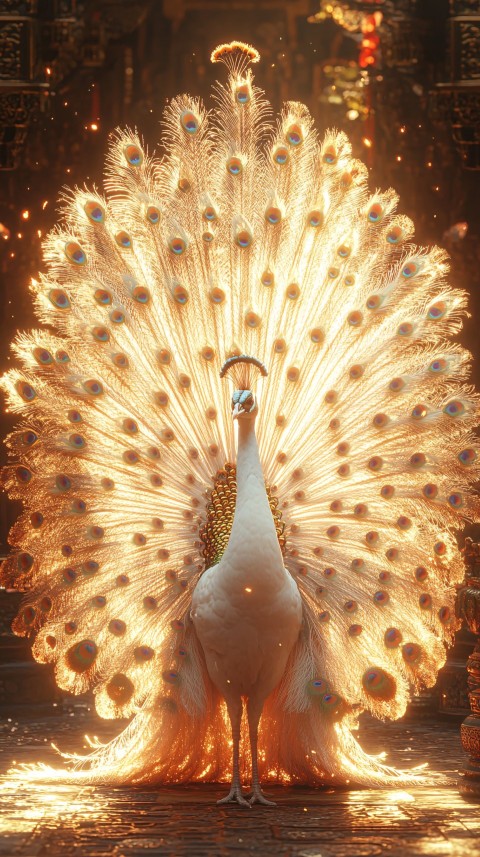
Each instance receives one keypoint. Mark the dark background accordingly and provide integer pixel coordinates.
(70, 72)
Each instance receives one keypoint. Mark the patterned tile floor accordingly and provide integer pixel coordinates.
(67, 821)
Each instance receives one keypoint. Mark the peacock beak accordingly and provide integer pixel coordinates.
(237, 411)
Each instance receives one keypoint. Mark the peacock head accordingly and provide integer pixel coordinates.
(242, 368)
(244, 405)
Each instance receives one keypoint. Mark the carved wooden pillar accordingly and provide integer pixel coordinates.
(468, 608)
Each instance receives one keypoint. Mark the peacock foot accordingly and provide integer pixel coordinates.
(234, 796)
(257, 796)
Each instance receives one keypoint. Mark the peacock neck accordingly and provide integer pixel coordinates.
(253, 545)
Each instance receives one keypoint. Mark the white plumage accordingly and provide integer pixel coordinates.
(333, 589)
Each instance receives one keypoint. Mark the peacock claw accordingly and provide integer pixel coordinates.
(257, 796)
(234, 796)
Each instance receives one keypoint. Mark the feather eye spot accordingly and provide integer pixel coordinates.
(317, 336)
(273, 215)
(141, 294)
(440, 548)
(184, 185)
(243, 93)
(355, 318)
(405, 329)
(425, 601)
(279, 346)
(454, 408)
(95, 388)
(324, 617)
(77, 441)
(437, 311)
(360, 510)
(156, 480)
(23, 474)
(24, 562)
(410, 270)
(467, 457)
(234, 166)
(379, 684)
(374, 302)
(392, 638)
(164, 357)
(243, 239)
(411, 653)
(167, 435)
(42, 356)
(404, 523)
(153, 214)
(82, 656)
(333, 273)
(96, 532)
(142, 654)
(357, 564)
(120, 361)
(315, 218)
(294, 134)
(94, 211)
(381, 598)
(150, 603)
(177, 245)
(120, 689)
(122, 580)
(252, 319)
(376, 213)
(438, 366)
(330, 156)
(396, 384)
(344, 251)
(171, 677)
(59, 299)
(103, 297)
(98, 601)
(343, 448)
(349, 280)
(62, 356)
(419, 412)
(100, 334)
(392, 554)
(293, 374)
(74, 253)
(344, 470)
(117, 316)
(355, 372)
(334, 424)
(189, 122)
(292, 291)
(372, 538)
(130, 426)
(333, 532)
(107, 483)
(350, 606)
(331, 397)
(355, 630)
(375, 463)
(268, 279)
(133, 155)
(36, 520)
(211, 413)
(380, 420)
(430, 491)
(455, 500)
(130, 456)
(280, 420)
(280, 155)
(208, 353)
(184, 381)
(445, 615)
(418, 459)
(395, 235)
(216, 295)
(63, 482)
(90, 567)
(180, 295)
(336, 506)
(153, 452)
(70, 628)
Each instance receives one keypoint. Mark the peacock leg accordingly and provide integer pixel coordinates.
(235, 794)
(254, 712)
